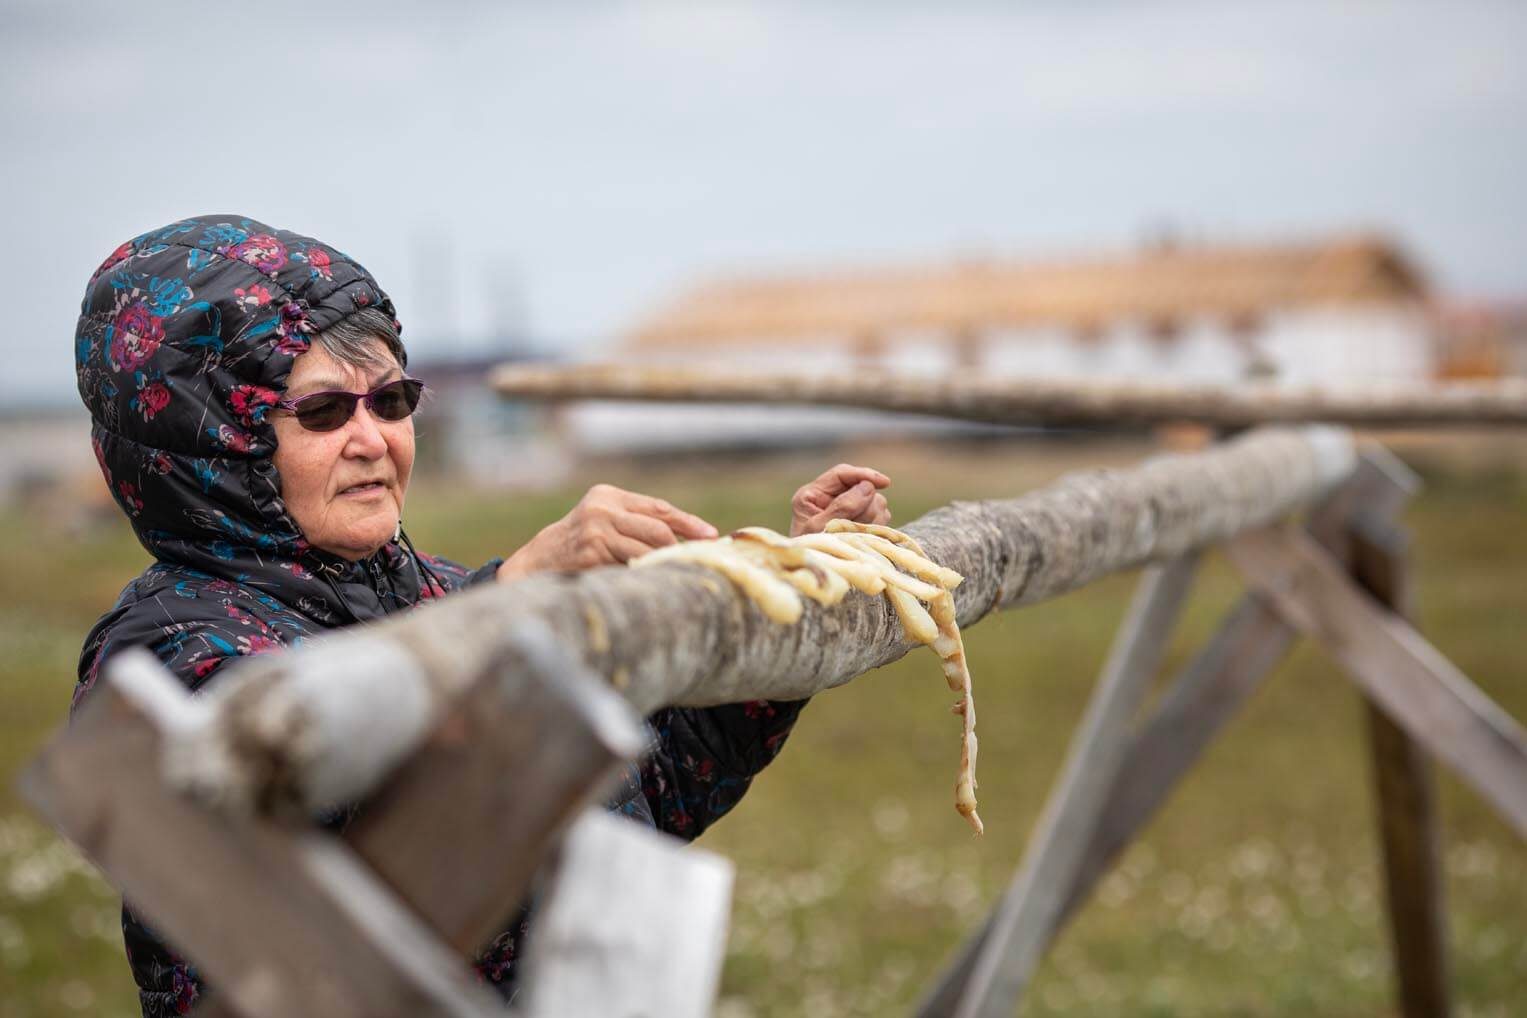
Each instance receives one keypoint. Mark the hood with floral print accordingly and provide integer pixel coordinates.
(185, 339)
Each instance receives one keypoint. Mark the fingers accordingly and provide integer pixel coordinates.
(851, 505)
(878, 511)
(839, 480)
(620, 548)
(845, 476)
(853, 501)
(816, 503)
(677, 520)
(653, 533)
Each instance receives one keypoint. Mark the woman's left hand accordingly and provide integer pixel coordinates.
(845, 492)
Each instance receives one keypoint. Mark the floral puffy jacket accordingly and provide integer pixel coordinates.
(185, 338)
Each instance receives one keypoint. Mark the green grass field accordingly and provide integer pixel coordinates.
(1256, 892)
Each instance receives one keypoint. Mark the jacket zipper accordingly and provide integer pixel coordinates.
(380, 586)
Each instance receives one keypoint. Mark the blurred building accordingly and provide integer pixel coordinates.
(1346, 309)
(466, 431)
(1481, 340)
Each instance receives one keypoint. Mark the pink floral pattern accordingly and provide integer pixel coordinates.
(151, 399)
(261, 250)
(251, 297)
(136, 333)
(318, 260)
(250, 403)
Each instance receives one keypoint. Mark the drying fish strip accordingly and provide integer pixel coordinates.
(773, 571)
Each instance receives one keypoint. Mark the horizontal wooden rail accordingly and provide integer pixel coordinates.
(285, 728)
(1030, 401)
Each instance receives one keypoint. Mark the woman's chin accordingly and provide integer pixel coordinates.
(362, 538)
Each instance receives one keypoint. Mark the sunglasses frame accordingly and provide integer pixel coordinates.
(355, 398)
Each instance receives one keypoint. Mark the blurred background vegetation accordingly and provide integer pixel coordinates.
(1256, 892)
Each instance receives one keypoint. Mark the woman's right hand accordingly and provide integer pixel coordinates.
(608, 525)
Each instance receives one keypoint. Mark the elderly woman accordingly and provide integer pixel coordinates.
(253, 417)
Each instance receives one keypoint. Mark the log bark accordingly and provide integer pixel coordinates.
(1032, 402)
(682, 635)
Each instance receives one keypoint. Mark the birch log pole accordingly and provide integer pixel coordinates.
(1028, 401)
(322, 724)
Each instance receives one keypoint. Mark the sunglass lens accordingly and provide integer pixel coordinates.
(396, 401)
(325, 412)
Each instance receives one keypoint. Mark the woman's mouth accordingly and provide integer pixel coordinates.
(366, 488)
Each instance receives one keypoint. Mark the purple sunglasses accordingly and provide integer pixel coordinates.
(332, 408)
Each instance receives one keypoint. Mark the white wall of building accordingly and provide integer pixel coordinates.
(1335, 345)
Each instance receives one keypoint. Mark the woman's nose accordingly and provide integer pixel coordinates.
(366, 439)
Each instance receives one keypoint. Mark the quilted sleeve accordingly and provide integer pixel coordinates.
(191, 624)
(706, 758)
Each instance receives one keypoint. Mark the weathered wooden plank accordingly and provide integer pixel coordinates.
(1202, 700)
(973, 397)
(1407, 812)
(1393, 664)
(459, 830)
(634, 926)
(675, 635)
(315, 935)
(1020, 925)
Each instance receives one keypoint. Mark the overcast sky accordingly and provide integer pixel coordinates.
(569, 166)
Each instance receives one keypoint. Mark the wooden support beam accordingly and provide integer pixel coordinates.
(1206, 695)
(972, 397)
(1227, 670)
(634, 926)
(1407, 809)
(1018, 932)
(1201, 701)
(1395, 667)
(459, 830)
(316, 935)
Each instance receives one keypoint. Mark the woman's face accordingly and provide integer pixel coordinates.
(344, 487)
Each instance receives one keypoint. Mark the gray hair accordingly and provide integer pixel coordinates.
(352, 339)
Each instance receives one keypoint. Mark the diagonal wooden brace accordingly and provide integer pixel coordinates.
(1003, 958)
(460, 828)
(1199, 703)
(1394, 666)
(315, 935)
(456, 834)
(1211, 689)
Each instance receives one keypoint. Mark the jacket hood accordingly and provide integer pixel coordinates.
(185, 340)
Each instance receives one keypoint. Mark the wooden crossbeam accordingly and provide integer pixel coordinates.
(1398, 670)
(993, 400)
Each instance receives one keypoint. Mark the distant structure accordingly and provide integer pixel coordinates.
(464, 430)
(1347, 308)
(1482, 340)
